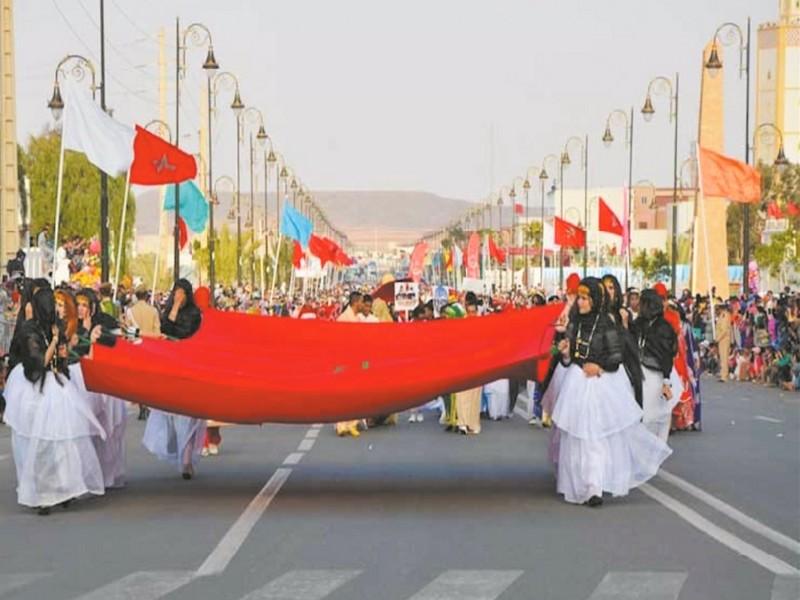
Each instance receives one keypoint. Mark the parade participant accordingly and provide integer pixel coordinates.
(143, 316)
(723, 339)
(603, 446)
(557, 371)
(111, 412)
(350, 315)
(633, 301)
(177, 439)
(658, 346)
(624, 320)
(51, 426)
(468, 402)
(686, 414)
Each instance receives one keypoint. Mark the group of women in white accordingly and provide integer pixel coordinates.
(610, 394)
(67, 441)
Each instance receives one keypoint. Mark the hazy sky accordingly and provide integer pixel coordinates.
(411, 95)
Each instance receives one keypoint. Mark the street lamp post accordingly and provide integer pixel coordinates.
(662, 86)
(269, 160)
(527, 187)
(543, 176)
(199, 35)
(78, 70)
(565, 162)
(223, 179)
(251, 115)
(727, 34)
(608, 139)
(229, 81)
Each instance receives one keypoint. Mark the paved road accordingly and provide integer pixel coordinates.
(293, 512)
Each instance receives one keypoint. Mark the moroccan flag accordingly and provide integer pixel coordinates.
(519, 209)
(416, 265)
(472, 256)
(498, 254)
(297, 254)
(183, 235)
(568, 235)
(729, 178)
(609, 221)
(157, 162)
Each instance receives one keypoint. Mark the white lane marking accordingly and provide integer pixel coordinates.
(317, 426)
(767, 419)
(729, 511)
(653, 585)
(293, 458)
(785, 588)
(312, 433)
(144, 585)
(467, 585)
(303, 585)
(769, 562)
(306, 445)
(14, 581)
(229, 545)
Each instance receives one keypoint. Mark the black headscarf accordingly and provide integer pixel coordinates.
(189, 317)
(651, 305)
(615, 304)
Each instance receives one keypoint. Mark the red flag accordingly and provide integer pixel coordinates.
(416, 266)
(471, 256)
(498, 254)
(568, 235)
(519, 209)
(183, 235)
(609, 221)
(156, 161)
(728, 178)
(323, 248)
(297, 254)
(774, 211)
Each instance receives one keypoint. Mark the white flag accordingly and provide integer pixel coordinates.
(108, 144)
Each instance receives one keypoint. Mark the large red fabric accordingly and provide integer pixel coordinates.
(472, 256)
(609, 221)
(568, 235)
(416, 266)
(241, 368)
(157, 162)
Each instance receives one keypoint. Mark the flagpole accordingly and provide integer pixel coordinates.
(705, 241)
(158, 250)
(275, 266)
(59, 190)
(121, 234)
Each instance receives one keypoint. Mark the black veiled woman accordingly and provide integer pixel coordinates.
(658, 345)
(177, 439)
(602, 445)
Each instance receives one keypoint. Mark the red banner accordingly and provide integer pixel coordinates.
(473, 256)
(416, 266)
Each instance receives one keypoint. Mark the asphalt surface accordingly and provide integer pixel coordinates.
(411, 512)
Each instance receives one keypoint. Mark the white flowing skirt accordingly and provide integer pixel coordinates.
(551, 394)
(601, 444)
(52, 432)
(176, 439)
(112, 414)
(657, 409)
(498, 399)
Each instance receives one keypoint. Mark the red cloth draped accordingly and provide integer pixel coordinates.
(241, 368)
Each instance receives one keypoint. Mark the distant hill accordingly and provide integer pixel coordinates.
(381, 218)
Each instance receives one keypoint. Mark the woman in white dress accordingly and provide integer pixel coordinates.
(177, 439)
(603, 446)
(51, 426)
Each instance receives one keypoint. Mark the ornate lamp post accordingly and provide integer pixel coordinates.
(219, 81)
(543, 176)
(252, 116)
(663, 86)
(620, 116)
(77, 67)
(199, 35)
(565, 162)
(727, 34)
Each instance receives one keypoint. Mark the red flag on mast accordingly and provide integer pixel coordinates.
(568, 235)
(608, 221)
(157, 162)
